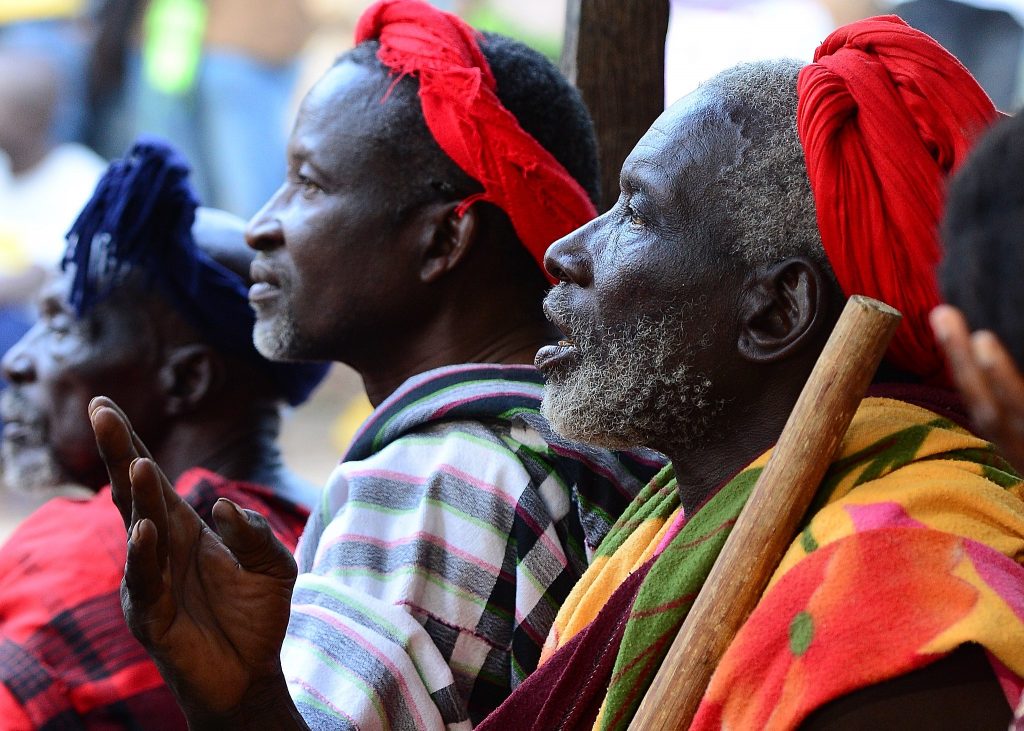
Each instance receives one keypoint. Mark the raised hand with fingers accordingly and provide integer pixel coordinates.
(211, 608)
(988, 379)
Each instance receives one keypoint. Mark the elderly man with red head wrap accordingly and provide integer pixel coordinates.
(693, 312)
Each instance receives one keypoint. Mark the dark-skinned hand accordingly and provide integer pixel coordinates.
(210, 607)
(988, 379)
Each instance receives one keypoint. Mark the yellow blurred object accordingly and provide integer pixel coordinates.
(13, 258)
(14, 10)
(349, 421)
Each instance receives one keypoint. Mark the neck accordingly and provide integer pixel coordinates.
(739, 437)
(454, 339)
(237, 447)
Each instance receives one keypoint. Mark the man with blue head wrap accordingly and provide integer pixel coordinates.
(151, 305)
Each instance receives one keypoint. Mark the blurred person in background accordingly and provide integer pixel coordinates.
(43, 184)
(151, 307)
(213, 76)
(59, 31)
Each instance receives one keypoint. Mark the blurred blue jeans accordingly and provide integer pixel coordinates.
(232, 126)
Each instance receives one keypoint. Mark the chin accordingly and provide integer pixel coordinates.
(32, 468)
(582, 420)
(276, 338)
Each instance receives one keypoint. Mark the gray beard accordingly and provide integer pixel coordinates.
(29, 468)
(632, 386)
(29, 464)
(277, 339)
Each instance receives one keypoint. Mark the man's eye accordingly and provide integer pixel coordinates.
(59, 325)
(634, 218)
(307, 185)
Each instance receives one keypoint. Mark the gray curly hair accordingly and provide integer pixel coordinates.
(767, 193)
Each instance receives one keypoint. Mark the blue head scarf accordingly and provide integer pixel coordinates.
(139, 219)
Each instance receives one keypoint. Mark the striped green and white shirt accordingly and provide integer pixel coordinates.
(442, 548)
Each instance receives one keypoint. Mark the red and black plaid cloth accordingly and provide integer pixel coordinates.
(67, 659)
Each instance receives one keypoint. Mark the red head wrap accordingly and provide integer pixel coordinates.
(884, 115)
(463, 113)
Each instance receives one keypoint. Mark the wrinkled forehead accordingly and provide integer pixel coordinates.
(56, 292)
(687, 149)
(55, 297)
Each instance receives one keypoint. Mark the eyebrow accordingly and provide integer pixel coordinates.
(657, 194)
(320, 171)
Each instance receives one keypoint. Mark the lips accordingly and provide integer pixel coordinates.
(17, 433)
(266, 285)
(550, 357)
(20, 424)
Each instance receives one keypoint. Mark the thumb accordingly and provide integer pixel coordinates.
(253, 543)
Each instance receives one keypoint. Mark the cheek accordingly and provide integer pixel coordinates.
(70, 434)
(634, 290)
(344, 273)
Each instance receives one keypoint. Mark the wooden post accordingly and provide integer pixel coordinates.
(614, 52)
(768, 522)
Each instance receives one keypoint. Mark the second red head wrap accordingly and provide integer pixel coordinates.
(469, 122)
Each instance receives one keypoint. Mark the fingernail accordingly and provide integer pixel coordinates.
(134, 536)
(131, 467)
(935, 317)
(983, 345)
(234, 506)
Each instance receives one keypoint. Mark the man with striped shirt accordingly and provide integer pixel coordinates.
(406, 242)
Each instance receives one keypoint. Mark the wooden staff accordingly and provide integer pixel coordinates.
(769, 520)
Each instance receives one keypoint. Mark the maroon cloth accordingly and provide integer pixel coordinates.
(465, 116)
(67, 658)
(885, 114)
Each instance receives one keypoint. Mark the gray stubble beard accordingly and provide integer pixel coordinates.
(278, 338)
(29, 468)
(632, 387)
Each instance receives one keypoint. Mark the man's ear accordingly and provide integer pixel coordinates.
(447, 239)
(784, 308)
(189, 374)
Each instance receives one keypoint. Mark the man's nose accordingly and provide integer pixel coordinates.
(264, 233)
(568, 260)
(17, 365)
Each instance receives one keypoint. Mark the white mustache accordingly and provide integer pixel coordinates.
(15, 407)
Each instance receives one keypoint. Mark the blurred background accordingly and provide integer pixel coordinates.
(79, 79)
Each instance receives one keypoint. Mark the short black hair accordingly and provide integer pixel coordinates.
(530, 87)
(546, 105)
(983, 232)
